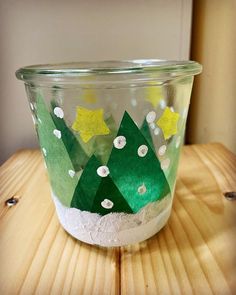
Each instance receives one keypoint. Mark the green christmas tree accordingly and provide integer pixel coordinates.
(87, 187)
(92, 188)
(135, 169)
(75, 151)
(146, 133)
(135, 177)
(58, 161)
(114, 197)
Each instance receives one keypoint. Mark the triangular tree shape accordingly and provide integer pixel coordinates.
(87, 187)
(108, 190)
(139, 179)
(75, 151)
(55, 154)
(93, 189)
(146, 133)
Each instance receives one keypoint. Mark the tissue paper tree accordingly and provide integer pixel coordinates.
(131, 179)
(58, 162)
(75, 151)
(146, 133)
(135, 169)
(92, 190)
(128, 178)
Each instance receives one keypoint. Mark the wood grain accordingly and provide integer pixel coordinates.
(193, 254)
(36, 255)
(195, 251)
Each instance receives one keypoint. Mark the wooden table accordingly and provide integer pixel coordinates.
(194, 254)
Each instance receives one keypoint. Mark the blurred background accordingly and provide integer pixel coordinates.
(50, 31)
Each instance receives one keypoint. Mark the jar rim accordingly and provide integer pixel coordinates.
(116, 67)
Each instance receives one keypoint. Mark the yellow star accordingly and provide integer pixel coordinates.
(154, 95)
(168, 123)
(90, 123)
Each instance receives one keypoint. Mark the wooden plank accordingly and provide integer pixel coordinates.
(195, 252)
(36, 254)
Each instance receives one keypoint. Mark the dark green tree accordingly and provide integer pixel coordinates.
(135, 177)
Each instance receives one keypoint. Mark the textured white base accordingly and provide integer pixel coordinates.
(114, 229)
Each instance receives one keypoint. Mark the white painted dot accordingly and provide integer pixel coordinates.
(44, 152)
(165, 164)
(162, 104)
(152, 125)
(142, 150)
(134, 102)
(57, 133)
(71, 173)
(151, 116)
(40, 121)
(33, 118)
(162, 150)
(142, 189)
(156, 131)
(178, 141)
(31, 106)
(107, 204)
(58, 112)
(103, 171)
(119, 142)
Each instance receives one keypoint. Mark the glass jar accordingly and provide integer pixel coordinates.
(110, 133)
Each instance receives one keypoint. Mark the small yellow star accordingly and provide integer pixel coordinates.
(90, 123)
(154, 95)
(168, 123)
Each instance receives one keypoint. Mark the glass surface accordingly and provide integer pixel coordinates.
(108, 73)
(111, 134)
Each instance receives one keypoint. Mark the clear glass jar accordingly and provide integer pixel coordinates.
(110, 133)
